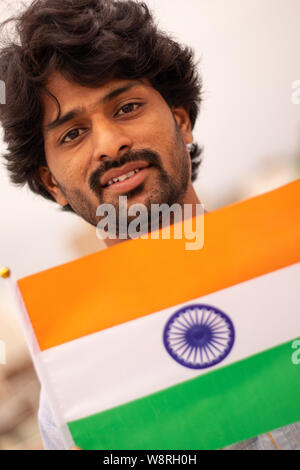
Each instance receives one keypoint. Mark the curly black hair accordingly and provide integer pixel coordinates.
(89, 42)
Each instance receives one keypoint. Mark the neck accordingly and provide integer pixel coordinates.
(190, 198)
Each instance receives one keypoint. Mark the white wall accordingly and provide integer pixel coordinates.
(249, 52)
(250, 55)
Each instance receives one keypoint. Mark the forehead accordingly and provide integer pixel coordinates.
(60, 85)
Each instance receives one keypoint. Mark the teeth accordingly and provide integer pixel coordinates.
(122, 177)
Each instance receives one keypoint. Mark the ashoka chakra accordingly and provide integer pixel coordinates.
(199, 336)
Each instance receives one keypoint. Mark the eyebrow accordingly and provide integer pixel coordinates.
(76, 112)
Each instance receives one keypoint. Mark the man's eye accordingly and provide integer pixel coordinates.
(129, 108)
(72, 135)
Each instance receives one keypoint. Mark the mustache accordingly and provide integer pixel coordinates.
(149, 156)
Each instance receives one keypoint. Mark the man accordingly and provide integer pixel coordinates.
(100, 104)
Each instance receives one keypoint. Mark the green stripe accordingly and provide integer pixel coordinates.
(228, 405)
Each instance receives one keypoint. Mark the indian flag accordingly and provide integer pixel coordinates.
(147, 345)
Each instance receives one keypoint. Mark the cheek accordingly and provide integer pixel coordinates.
(157, 127)
(67, 170)
(158, 137)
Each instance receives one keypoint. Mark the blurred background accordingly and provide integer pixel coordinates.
(248, 53)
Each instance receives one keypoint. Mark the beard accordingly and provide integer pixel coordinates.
(166, 189)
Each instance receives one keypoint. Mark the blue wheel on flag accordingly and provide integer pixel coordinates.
(199, 336)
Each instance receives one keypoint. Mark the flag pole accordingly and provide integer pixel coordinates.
(34, 349)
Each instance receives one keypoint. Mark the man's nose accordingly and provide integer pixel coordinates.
(109, 140)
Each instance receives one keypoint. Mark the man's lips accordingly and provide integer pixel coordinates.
(129, 183)
(122, 171)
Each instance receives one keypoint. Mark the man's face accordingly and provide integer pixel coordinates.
(123, 129)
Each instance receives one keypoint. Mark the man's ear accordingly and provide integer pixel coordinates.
(48, 181)
(184, 123)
